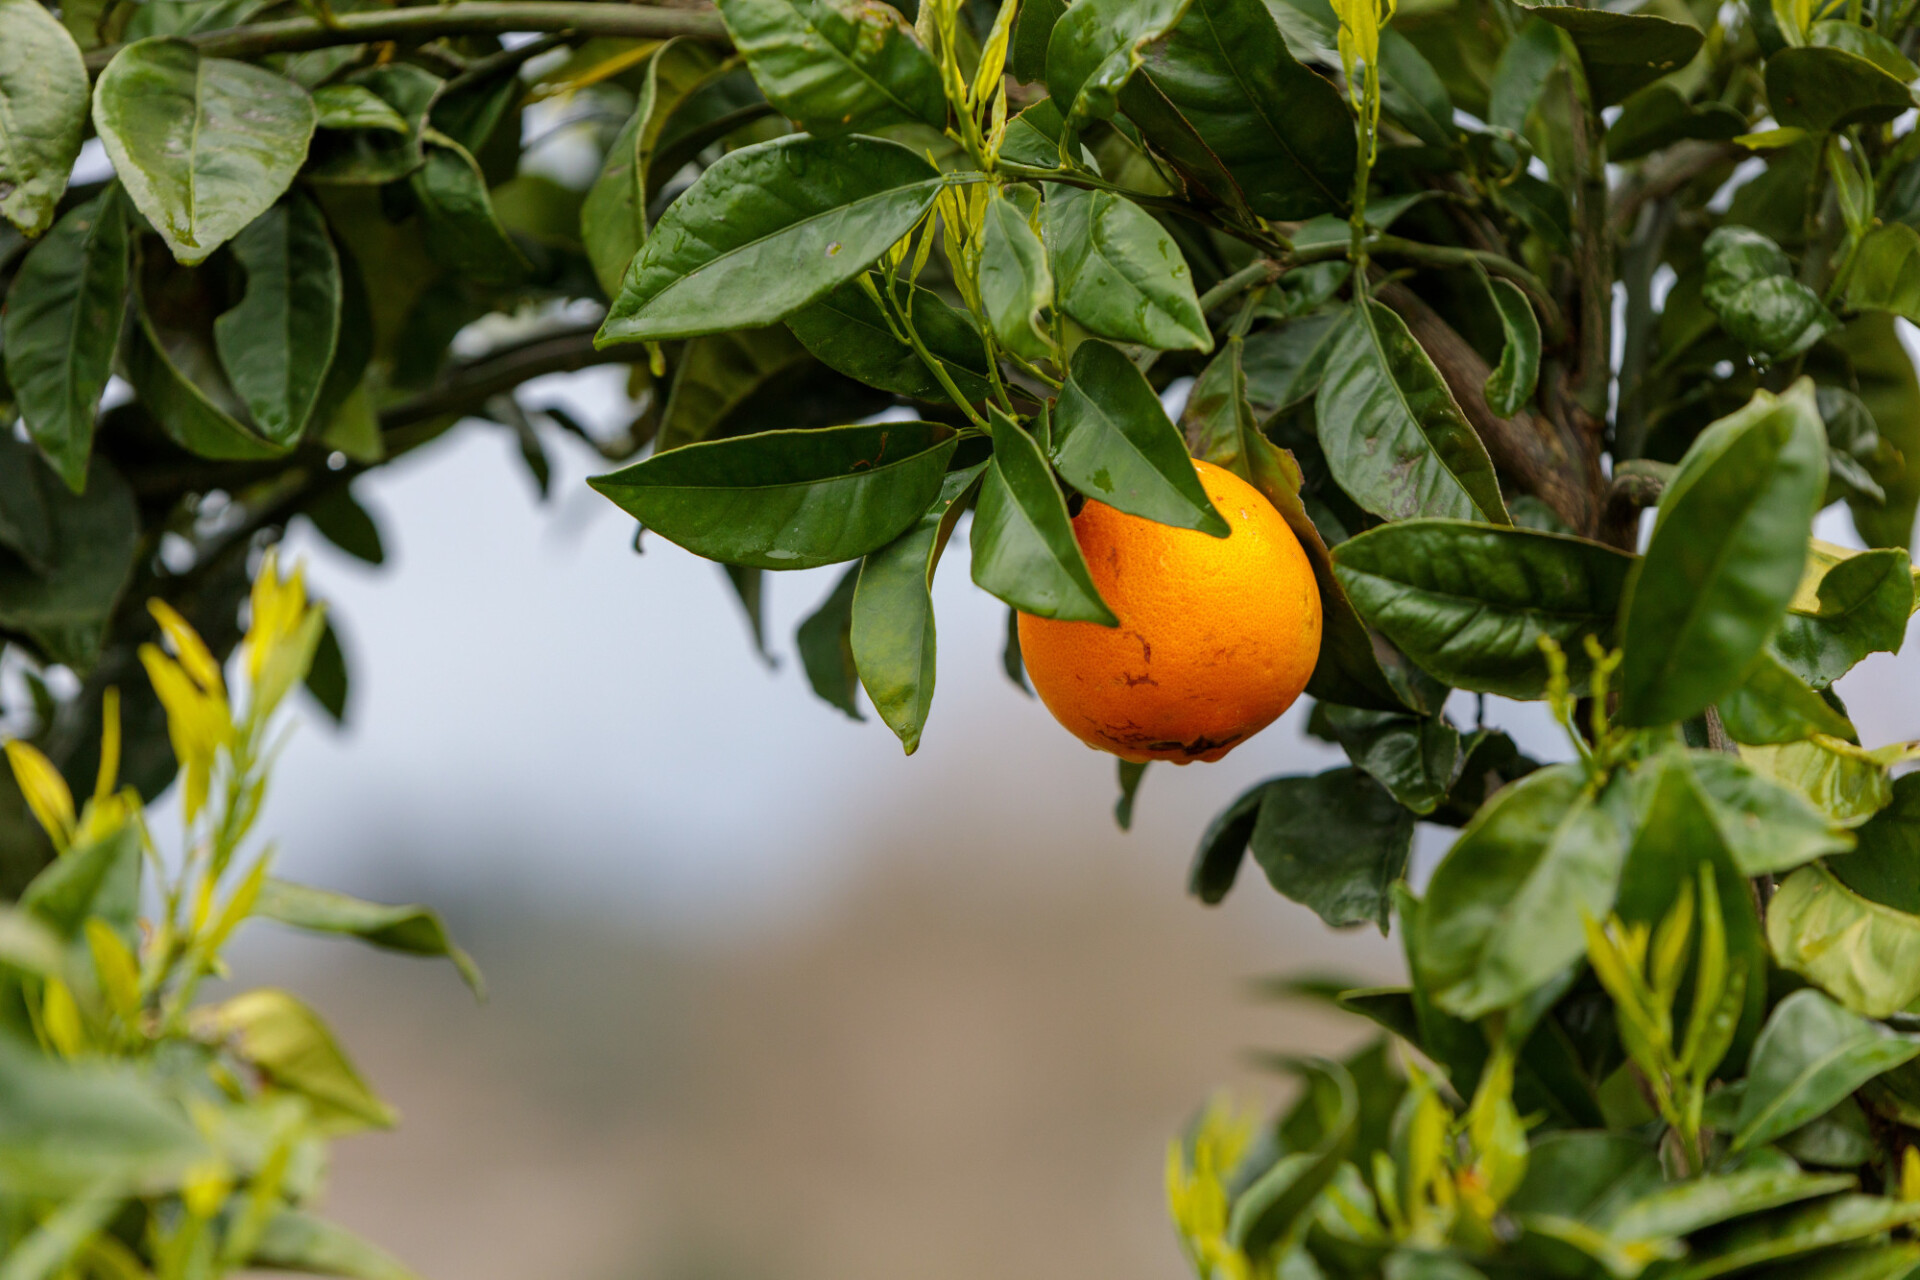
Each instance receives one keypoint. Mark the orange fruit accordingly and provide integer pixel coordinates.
(1217, 636)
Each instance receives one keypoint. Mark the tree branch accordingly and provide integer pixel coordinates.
(465, 18)
(469, 386)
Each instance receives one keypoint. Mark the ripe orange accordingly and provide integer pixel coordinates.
(1217, 636)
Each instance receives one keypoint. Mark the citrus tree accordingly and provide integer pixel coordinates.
(1467, 297)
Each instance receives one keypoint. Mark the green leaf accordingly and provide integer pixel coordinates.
(1112, 440)
(1265, 1212)
(788, 499)
(1859, 460)
(1096, 45)
(892, 632)
(1863, 606)
(295, 1241)
(1846, 783)
(1863, 953)
(826, 651)
(1852, 1262)
(837, 68)
(1131, 772)
(412, 930)
(1816, 1229)
(327, 678)
(202, 145)
(346, 106)
(1022, 540)
(96, 537)
(847, 331)
(1417, 758)
(1886, 272)
(1659, 116)
(1015, 282)
(25, 527)
(47, 1250)
(62, 323)
(361, 156)
(1766, 827)
(1216, 862)
(1469, 602)
(1119, 273)
(1224, 99)
(1772, 705)
(1681, 1208)
(1511, 384)
(719, 373)
(1394, 437)
(1822, 89)
(1335, 842)
(1285, 363)
(185, 411)
(341, 520)
(289, 1044)
(1503, 913)
(613, 220)
(766, 230)
(1835, 33)
(1810, 1055)
(97, 880)
(1032, 29)
(278, 340)
(1621, 52)
(1885, 868)
(463, 233)
(66, 1128)
(1413, 92)
(1727, 551)
(43, 113)
(1879, 369)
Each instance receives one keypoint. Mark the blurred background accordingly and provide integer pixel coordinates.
(770, 1001)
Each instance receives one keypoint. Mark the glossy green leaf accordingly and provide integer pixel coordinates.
(1285, 363)
(1816, 1229)
(65, 1128)
(203, 146)
(1119, 273)
(1846, 783)
(1863, 953)
(293, 1240)
(1521, 74)
(1503, 912)
(1885, 868)
(788, 499)
(1727, 551)
(847, 331)
(1766, 827)
(1469, 603)
(1886, 272)
(613, 219)
(1266, 1211)
(1860, 461)
(1810, 1055)
(412, 930)
(278, 340)
(1395, 439)
(1621, 52)
(25, 527)
(1097, 44)
(1821, 89)
(837, 68)
(1032, 29)
(826, 651)
(1016, 285)
(1417, 758)
(1773, 705)
(1223, 846)
(347, 106)
(766, 230)
(62, 323)
(1224, 99)
(43, 113)
(1022, 540)
(1511, 384)
(184, 409)
(290, 1045)
(1681, 1208)
(463, 232)
(363, 156)
(1882, 373)
(1659, 116)
(719, 373)
(1335, 842)
(96, 537)
(1863, 606)
(1112, 440)
(893, 635)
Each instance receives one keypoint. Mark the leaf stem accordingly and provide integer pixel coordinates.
(1269, 241)
(934, 366)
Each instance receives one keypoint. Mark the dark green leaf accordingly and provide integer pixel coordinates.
(1859, 459)
(1131, 771)
(96, 536)
(1886, 272)
(826, 651)
(26, 528)
(766, 230)
(788, 499)
(1032, 29)
(1224, 99)
(1864, 1262)
(341, 520)
(1503, 913)
(1815, 1229)
(1810, 1055)
(1775, 317)
(1022, 540)
(1771, 705)
(1417, 758)
(412, 930)
(1119, 273)
(65, 1128)
(1864, 953)
(893, 626)
(277, 342)
(1010, 661)
(43, 113)
(1412, 91)
(1836, 33)
(1394, 437)
(463, 232)
(847, 331)
(1864, 603)
(1659, 116)
(1015, 282)
(1469, 603)
(837, 68)
(1766, 828)
(371, 157)
(1285, 363)
(348, 106)
(1822, 89)
(327, 677)
(1623, 51)
(749, 588)
(1112, 440)
(1216, 863)
(1885, 868)
(1335, 842)
(202, 145)
(719, 373)
(1510, 386)
(1681, 1208)
(62, 324)
(1097, 44)
(184, 409)
(1882, 373)
(295, 1241)
(1521, 74)
(1726, 555)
